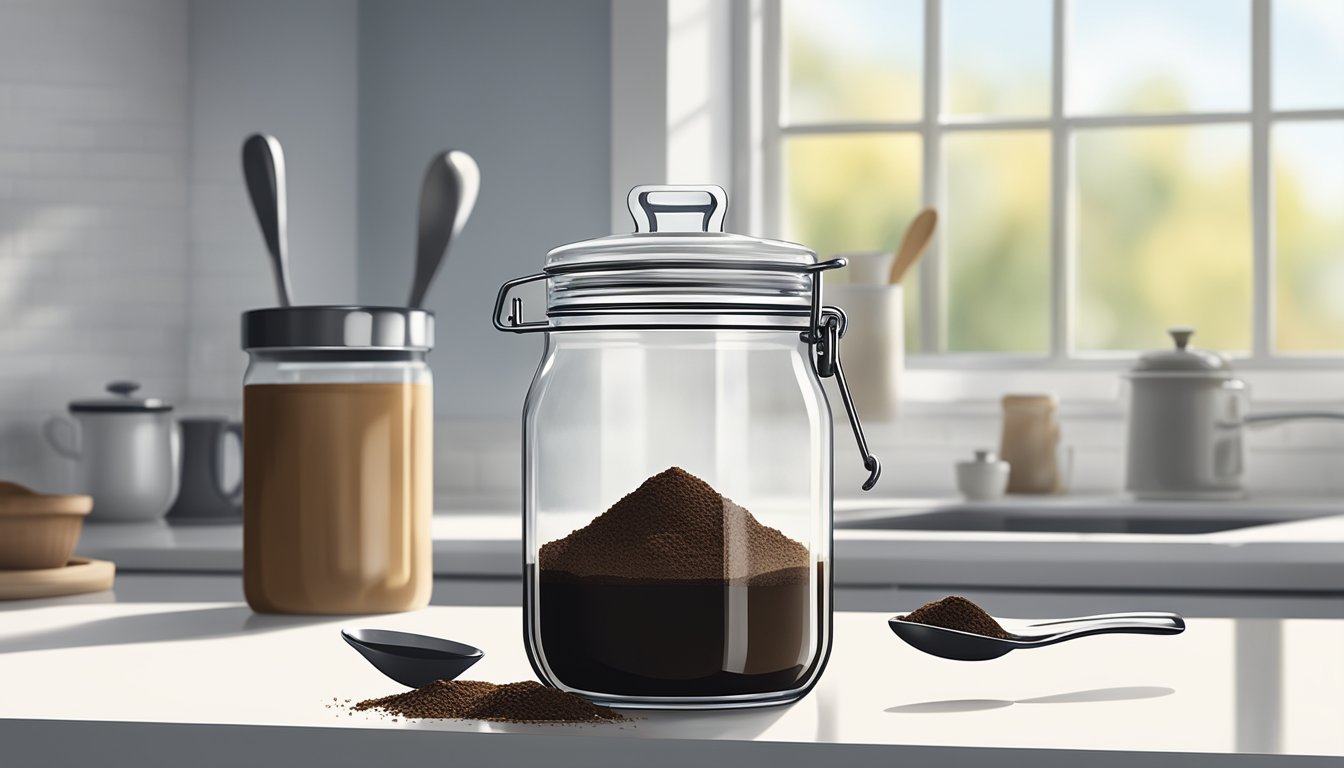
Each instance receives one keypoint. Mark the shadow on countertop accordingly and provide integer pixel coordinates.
(1122, 693)
(192, 624)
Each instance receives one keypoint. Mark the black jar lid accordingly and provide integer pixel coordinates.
(339, 328)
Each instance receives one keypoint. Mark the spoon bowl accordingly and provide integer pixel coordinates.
(447, 197)
(914, 243)
(968, 646)
(412, 660)
(264, 171)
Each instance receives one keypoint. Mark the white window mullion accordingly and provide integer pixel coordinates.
(749, 121)
(1262, 192)
(932, 281)
(772, 117)
(1061, 205)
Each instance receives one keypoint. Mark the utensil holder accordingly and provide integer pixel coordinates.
(875, 342)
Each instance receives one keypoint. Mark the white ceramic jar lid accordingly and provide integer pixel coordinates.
(1182, 360)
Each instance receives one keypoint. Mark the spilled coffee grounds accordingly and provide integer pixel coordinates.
(525, 702)
(956, 612)
(678, 591)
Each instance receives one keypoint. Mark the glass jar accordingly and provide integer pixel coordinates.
(337, 460)
(677, 463)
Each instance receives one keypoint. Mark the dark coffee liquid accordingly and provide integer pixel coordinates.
(637, 637)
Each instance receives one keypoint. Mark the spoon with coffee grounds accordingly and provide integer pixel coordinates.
(412, 660)
(969, 646)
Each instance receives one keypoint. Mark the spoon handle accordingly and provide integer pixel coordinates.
(1133, 624)
(1110, 617)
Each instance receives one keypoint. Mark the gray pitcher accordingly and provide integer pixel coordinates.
(203, 497)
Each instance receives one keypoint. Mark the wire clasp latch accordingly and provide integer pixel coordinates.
(825, 341)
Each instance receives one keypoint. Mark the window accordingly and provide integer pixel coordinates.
(1103, 170)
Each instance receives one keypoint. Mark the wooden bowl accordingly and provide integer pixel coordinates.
(38, 530)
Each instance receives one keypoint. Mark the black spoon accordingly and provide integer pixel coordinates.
(412, 660)
(967, 646)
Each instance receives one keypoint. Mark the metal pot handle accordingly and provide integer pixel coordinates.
(1271, 418)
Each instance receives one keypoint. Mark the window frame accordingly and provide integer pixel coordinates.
(760, 132)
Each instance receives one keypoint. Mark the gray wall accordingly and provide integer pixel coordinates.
(524, 86)
(295, 76)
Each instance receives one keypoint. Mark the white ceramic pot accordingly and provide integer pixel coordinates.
(127, 451)
(1186, 418)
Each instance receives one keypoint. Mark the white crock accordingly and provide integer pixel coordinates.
(127, 452)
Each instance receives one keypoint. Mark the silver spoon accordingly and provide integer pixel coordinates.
(966, 646)
(447, 197)
(264, 170)
(410, 659)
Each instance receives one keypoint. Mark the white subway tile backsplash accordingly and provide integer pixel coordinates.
(133, 164)
(93, 198)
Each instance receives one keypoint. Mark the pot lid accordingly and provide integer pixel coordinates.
(1183, 359)
(122, 401)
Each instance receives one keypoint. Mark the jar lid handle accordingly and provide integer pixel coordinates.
(664, 207)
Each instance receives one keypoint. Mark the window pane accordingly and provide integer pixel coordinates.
(997, 230)
(1164, 236)
(854, 193)
(1308, 54)
(1159, 56)
(996, 57)
(1309, 236)
(852, 60)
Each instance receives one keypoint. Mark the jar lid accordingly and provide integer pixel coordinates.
(1042, 400)
(679, 260)
(1182, 360)
(333, 328)
(122, 401)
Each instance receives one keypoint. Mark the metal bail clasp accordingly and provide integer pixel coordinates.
(826, 341)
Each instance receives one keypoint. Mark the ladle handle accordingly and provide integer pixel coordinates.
(1120, 623)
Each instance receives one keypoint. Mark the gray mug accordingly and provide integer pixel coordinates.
(203, 497)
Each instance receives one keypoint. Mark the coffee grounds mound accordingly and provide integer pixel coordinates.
(676, 527)
(956, 612)
(525, 702)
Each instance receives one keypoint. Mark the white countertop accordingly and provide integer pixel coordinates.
(213, 684)
(1304, 556)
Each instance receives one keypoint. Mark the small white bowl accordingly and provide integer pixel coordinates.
(984, 478)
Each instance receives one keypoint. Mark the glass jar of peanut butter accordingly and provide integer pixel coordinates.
(337, 459)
